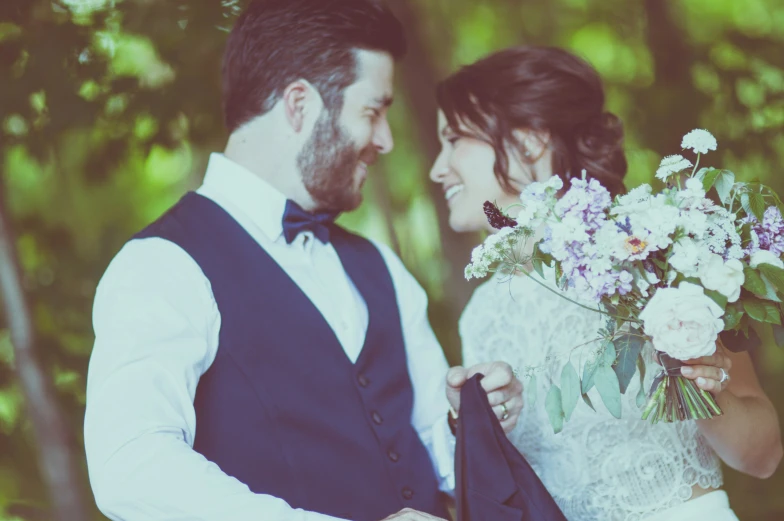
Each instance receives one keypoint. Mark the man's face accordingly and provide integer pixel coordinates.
(334, 163)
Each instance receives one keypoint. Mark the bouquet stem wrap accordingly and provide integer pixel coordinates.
(674, 398)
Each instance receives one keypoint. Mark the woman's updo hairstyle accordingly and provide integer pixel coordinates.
(544, 89)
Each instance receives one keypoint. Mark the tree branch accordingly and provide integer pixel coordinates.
(56, 455)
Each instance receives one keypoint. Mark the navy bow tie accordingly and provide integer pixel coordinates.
(296, 220)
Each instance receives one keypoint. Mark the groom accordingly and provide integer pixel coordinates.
(253, 360)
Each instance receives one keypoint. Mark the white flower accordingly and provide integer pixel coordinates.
(638, 199)
(765, 257)
(724, 277)
(672, 165)
(700, 141)
(687, 255)
(694, 189)
(683, 322)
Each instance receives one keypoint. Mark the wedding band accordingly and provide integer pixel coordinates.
(505, 414)
(725, 377)
(516, 373)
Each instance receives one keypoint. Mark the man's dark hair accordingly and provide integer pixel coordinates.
(277, 42)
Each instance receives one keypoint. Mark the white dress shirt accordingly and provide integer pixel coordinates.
(156, 327)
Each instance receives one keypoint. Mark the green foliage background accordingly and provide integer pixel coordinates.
(109, 109)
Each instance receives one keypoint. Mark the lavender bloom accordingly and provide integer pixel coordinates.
(769, 233)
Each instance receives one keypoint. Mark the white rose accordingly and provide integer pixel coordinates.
(683, 322)
(724, 277)
(765, 257)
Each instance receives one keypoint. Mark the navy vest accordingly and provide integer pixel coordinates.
(282, 408)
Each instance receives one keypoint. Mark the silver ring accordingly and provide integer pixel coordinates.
(516, 373)
(505, 415)
(725, 376)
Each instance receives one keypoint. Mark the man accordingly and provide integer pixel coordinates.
(254, 361)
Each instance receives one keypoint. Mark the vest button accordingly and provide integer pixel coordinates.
(363, 380)
(377, 419)
(393, 456)
(407, 493)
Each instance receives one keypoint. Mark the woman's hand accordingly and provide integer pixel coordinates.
(710, 373)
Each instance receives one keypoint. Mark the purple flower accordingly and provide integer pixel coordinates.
(769, 233)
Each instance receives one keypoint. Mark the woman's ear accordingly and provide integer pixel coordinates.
(532, 144)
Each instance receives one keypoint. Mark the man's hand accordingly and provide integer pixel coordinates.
(412, 515)
(504, 390)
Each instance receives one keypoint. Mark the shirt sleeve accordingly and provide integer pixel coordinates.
(156, 326)
(427, 367)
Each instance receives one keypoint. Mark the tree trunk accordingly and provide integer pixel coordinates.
(56, 462)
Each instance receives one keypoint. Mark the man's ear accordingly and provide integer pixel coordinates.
(299, 100)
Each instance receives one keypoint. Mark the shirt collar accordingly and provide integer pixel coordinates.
(229, 182)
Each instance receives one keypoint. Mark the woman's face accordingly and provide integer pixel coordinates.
(464, 169)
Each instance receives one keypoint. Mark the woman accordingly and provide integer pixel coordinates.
(526, 114)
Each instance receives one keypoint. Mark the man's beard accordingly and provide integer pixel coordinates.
(328, 164)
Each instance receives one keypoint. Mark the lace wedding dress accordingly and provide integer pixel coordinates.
(598, 468)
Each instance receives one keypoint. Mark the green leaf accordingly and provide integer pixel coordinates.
(641, 396)
(762, 311)
(724, 184)
(662, 265)
(609, 389)
(570, 389)
(710, 178)
(717, 297)
(537, 264)
(732, 317)
(754, 282)
(628, 348)
(757, 205)
(778, 335)
(589, 370)
(554, 409)
(608, 355)
(774, 274)
(587, 400)
(745, 202)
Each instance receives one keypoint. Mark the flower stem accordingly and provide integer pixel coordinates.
(519, 267)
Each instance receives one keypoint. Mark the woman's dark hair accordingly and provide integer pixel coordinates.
(277, 42)
(543, 89)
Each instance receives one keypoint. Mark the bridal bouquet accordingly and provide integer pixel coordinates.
(671, 269)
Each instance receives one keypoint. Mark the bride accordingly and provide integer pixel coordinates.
(526, 114)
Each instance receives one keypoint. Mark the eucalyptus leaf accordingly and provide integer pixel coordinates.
(609, 389)
(608, 354)
(588, 402)
(554, 408)
(641, 395)
(537, 264)
(628, 348)
(589, 370)
(570, 389)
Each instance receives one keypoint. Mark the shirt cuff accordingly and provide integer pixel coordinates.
(444, 454)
